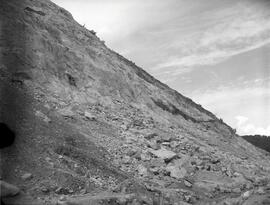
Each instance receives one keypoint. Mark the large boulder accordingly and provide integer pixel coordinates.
(8, 190)
(164, 154)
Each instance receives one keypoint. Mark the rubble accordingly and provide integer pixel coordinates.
(105, 123)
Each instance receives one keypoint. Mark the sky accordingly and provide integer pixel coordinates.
(217, 52)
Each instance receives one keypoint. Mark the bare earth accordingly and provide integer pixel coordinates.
(93, 128)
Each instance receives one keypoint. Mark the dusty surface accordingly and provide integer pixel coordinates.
(93, 128)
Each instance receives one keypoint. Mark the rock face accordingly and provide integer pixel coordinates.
(89, 122)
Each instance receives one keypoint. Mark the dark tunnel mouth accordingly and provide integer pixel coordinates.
(7, 135)
(14, 102)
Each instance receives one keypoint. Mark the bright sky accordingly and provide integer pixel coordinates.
(217, 51)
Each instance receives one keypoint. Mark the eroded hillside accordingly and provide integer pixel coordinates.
(95, 128)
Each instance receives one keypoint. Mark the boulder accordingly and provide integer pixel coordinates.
(8, 190)
(27, 176)
(164, 154)
(176, 172)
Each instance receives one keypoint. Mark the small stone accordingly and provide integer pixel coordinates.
(187, 184)
(236, 190)
(142, 170)
(154, 170)
(137, 155)
(248, 185)
(187, 198)
(126, 160)
(89, 116)
(260, 191)
(166, 138)
(174, 144)
(157, 162)
(42, 116)
(236, 174)
(153, 144)
(116, 162)
(145, 157)
(207, 167)
(67, 113)
(135, 202)
(63, 198)
(130, 140)
(151, 136)
(214, 160)
(61, 202)
(58, 190)
(44, 190)
(246, 195)
(167, 144)
(209, 195)
(131, 152)
(198, 162)
(223, 169)
(124, 127)
(27, 176)
(83, 191)
(225, 190)
(48, 159)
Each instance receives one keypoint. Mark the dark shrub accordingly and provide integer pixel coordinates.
(260, 141)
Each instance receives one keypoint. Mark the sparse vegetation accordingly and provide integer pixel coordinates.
(65, 13)
(260, 141)
(93, 32)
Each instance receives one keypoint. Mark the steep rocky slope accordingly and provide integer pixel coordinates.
(95, 128)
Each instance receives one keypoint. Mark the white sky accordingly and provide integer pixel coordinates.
(215, 51)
